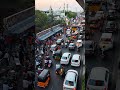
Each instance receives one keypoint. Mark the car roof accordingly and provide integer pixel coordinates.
(59, 39)
(71, 43)
(111, 10)
(75, 56)
(66, 54)
(43, 74)
(98, 73)
(110, 22)
(106, 35)
(70, 75)
(79, 40)
(88, 42)
(100, 11)
(53, 45)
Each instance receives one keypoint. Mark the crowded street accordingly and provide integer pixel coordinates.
(59, 79)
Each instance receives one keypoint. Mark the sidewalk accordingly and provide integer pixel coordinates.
(118, 81)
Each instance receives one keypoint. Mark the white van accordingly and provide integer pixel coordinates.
(68, 32)
(106, 41)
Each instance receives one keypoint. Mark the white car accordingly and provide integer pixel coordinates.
(59, 41)
(98, 79)
(76, 60)
(79, 43)
(70, 81)
(65, 58)
(53, 47)
(71, 46)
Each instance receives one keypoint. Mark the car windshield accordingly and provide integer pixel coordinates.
(93, 22)
(110, 24)
(82, 22)
(75, 60)
(71, 44)
(58, 66)
(64, 57)
(96, 82)
(111, 13)
(59, 40)
(53, 46)
(106, 40)
(69, 83)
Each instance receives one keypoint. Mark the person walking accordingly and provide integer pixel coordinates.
(26, 83)
(6, 86)
(6, 58)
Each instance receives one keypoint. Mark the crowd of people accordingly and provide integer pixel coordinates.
(17, 61)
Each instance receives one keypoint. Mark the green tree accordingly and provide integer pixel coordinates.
(70, 14)
(41, 19)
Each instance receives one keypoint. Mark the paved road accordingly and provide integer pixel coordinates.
(56, 82)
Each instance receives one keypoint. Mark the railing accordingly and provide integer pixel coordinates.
(18, 17)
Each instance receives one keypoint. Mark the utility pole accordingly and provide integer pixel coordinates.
(64, 8)
(67, 7)
(51, 14)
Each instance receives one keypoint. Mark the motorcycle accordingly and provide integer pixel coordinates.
(49, 63)
(66, 44)
(46, 63)
(78, 48)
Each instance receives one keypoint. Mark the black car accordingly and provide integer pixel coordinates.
(111, 27)
(90, 47)
(111, 15)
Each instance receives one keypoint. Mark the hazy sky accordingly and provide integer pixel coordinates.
(56, 4)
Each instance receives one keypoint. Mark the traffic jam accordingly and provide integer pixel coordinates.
(60, 58)
(101, 36)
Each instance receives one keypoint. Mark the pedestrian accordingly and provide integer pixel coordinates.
(106, 5)
(1, 53)
(6, 58)
(31, 86)
(6, 86)
(26, 83)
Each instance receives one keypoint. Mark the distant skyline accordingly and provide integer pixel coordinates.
(58, 5)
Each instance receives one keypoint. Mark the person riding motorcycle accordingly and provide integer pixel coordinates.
(48, 61)
(102, 52)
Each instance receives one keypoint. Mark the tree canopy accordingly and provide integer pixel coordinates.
(70, 14)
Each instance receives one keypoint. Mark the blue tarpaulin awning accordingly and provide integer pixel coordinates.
(47, 35)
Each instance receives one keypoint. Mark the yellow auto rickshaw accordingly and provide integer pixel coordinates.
(44, 78)
(58, 54)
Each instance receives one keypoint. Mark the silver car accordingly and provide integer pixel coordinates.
(71, 46)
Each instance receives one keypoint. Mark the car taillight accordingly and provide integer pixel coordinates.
(87, 88)
(74, 88)
(105, 88)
